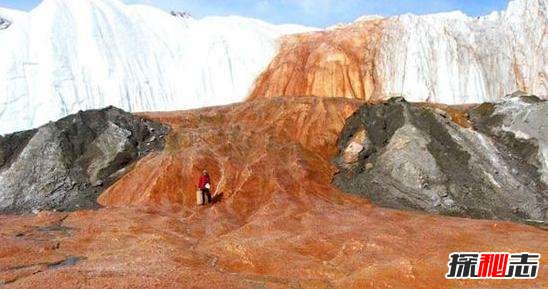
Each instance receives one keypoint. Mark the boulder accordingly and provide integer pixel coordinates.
(4, 23)
(417, 158)
(66, 164)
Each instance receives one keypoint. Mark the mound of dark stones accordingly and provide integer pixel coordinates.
(413, 156)
(66, 164)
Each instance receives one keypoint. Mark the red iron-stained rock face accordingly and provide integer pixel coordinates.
(277, 221)
(339, 62)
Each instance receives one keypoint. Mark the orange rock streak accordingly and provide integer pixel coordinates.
(332, 63)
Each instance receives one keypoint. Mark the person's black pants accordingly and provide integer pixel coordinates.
(206, 195)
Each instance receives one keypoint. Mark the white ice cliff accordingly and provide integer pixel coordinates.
(453, 58)
(70, 55)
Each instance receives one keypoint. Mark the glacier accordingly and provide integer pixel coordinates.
(453, 58)
(70, 55)
(448, 58)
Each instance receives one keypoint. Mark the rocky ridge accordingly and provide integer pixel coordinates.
(66, 164)
(412, 156)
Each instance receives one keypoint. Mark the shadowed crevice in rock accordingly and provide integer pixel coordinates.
(66, 164)
(4, 23)
(41, 267)
(415, 157)
(46, 232)
(69, 261)
(12, 144)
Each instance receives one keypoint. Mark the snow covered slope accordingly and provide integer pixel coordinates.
(70, 55)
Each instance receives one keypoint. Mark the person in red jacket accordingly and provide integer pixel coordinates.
(204, 185)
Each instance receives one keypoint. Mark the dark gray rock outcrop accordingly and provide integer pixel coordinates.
(181, 14)
(65, 165)
(4, 23)
(411, 156)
